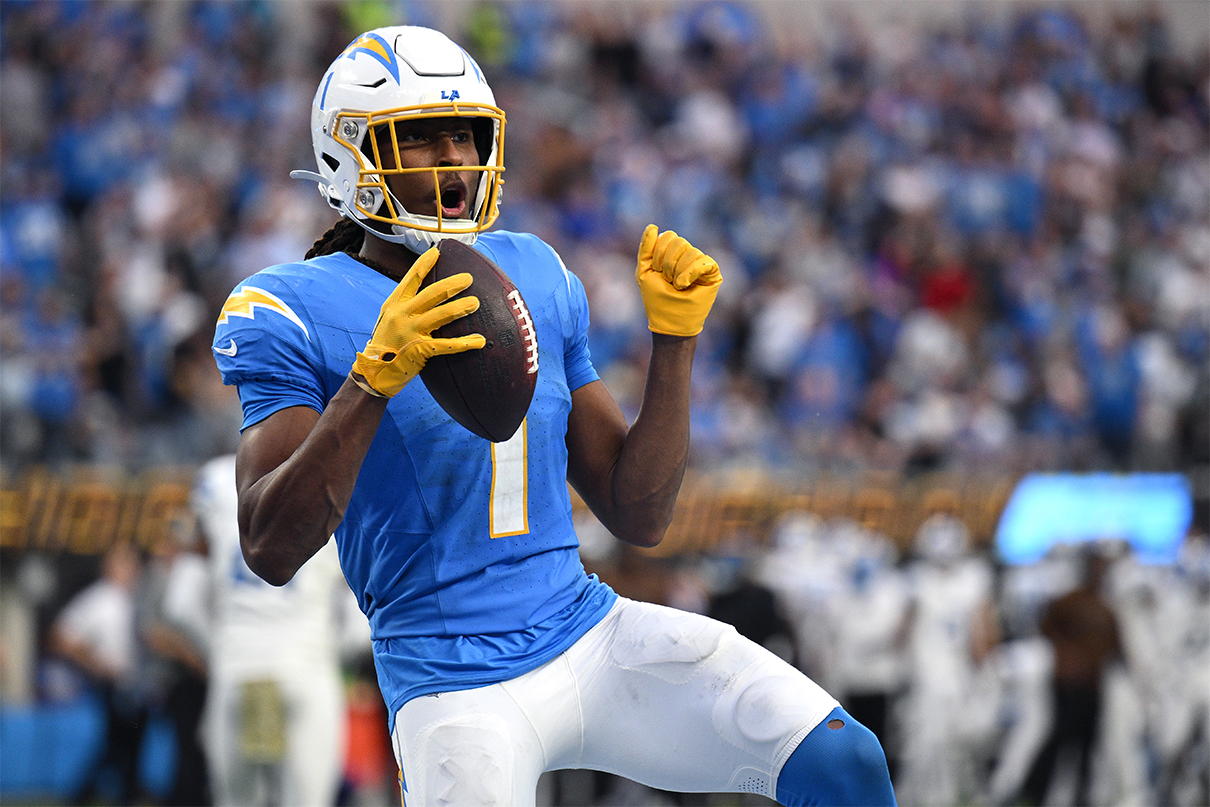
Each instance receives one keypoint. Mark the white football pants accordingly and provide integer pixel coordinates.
(668, 698)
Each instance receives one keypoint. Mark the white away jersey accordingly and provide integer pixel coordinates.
(256, 628)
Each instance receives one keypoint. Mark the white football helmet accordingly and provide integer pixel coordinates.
(391, 74)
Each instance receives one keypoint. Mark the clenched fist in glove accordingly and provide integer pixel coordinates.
(402, 340)
(678, 282)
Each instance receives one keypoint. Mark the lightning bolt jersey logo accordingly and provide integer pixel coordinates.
(245, 302)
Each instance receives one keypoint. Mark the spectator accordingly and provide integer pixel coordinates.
(1082, 630)
(96, 632)
(178, 655)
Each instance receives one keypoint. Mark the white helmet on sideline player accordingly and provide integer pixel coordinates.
(386, 75)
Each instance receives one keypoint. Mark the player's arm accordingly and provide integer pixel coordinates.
(296, 469)
(295, 472)
(630, 476)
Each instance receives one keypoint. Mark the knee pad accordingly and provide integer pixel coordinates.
(840, 763)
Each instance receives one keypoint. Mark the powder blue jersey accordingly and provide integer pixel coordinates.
(461, 551)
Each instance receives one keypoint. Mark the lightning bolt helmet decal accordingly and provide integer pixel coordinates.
(375, 46)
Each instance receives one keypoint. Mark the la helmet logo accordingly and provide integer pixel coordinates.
(450, 95)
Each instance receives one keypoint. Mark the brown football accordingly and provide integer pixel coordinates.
(489, 390)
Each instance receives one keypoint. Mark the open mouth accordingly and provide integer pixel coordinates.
(453, 201)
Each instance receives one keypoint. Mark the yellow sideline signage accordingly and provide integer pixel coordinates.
(83, 511)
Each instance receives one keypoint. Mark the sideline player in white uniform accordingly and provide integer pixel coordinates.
(275, 718)
(952, 632)
(498, 656)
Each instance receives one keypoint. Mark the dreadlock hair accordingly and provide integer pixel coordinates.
(345, 235)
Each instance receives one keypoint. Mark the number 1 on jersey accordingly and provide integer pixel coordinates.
(509, 509)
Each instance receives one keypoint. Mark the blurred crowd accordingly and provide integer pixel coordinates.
(978, 243)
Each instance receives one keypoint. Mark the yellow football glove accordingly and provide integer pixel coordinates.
(678, 282)
(402, 340)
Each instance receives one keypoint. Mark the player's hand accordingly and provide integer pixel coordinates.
(678, 282)
(403, 340)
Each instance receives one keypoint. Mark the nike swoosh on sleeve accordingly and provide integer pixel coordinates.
(227, 351)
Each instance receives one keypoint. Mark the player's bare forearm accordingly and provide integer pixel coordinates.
(630, 477)
(296, 471)
(652, 463)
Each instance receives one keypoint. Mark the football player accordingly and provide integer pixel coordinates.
(274, 726)
(498, 656)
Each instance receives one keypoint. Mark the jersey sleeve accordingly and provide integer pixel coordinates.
(576, 358)
(266, 345)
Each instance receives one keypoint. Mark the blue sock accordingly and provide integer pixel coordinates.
(843, 766)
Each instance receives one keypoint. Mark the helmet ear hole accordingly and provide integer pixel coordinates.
(332, 162)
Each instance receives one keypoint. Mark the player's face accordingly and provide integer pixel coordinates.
(427, 143)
